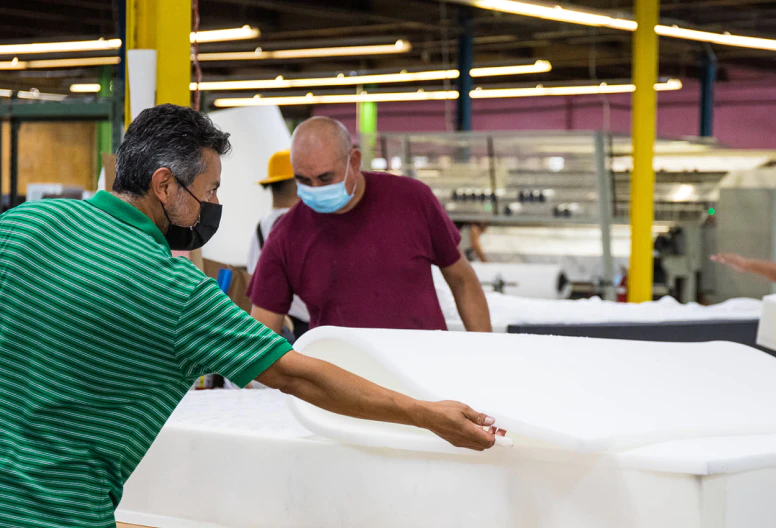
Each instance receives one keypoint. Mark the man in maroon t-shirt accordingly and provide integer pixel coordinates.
(358, 249)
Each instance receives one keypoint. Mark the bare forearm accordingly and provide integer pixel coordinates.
(336, 390)
(271, 320)
(339, 391)
(479, 252)
(472, 306)
(764, 268)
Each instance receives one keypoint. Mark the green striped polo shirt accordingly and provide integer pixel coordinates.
(102, 332)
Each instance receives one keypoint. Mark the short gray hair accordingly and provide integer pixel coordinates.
(166, 136)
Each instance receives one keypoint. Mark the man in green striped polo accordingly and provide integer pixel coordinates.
(102, 331)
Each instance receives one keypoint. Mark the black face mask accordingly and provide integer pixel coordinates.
(190, 238)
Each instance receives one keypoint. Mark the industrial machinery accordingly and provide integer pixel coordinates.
(564, 197)
(746, 225)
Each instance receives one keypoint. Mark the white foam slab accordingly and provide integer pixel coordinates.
(238, 459)
(704, 456)
(576, 393)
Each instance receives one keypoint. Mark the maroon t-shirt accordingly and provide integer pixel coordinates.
(367, 268)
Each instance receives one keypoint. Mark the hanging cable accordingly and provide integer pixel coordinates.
(195, 46)
(607, 120)
(445, 62)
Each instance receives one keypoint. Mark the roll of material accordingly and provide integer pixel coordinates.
(142, 80)
(537, 281)
(533, 281)
(256, 134)
(766, 332)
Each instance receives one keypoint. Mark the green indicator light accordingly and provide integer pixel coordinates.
(712, 211)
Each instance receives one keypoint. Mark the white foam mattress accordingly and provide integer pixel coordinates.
(239, 459)
(607, 434)
(508, 310)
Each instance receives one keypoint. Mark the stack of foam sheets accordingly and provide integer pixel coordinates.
(506, 310)
(606, 433)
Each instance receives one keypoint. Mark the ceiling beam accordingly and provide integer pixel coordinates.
(39, 15)
(702, 4)
(92, 5)
(321, 11)
(366, 29)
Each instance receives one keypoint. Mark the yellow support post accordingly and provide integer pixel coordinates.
(642, 207)
(173, 61)
(164, 26)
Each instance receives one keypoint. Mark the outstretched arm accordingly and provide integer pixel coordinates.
(334, 389)
(764, 268)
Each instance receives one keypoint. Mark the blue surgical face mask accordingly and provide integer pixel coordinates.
(329, 198)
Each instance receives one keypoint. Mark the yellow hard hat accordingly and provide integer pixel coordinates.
(279, 168)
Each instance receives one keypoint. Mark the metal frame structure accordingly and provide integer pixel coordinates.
(604, 183)
(16, 113)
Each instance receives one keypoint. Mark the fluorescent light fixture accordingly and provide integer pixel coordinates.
(40, 96)
(6, 93)
(224, 35)
(594, 89)
(85, 88)
(73, 63)
(539, 66)
(556, 13)
(400, 46)
(588, 18)
(340, 80)
(16, 64)
(362, 97)
(683, 193)
(420, 95)
(723, 39)
(60, 47)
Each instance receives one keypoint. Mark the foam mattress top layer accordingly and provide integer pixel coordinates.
(574, 393)
(263, 414)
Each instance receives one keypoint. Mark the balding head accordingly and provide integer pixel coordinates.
(321, 133)
(320, 150)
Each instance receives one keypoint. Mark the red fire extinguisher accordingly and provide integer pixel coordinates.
(622, 288)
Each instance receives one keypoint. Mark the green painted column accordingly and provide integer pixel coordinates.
(368, 112)
(367, 128)
(104, 128)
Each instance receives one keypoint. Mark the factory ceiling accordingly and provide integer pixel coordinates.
(577, 53)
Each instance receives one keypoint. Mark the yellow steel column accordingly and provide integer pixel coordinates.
(164, 26)
(642, 209)
(173, 60)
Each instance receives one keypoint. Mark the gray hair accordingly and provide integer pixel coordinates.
(166, 136)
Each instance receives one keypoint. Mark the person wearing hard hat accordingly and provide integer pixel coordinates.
(280, 180)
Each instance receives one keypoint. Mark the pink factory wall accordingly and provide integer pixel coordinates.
(744, 114)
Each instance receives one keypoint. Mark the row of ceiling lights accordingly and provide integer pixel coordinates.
(556, 13)
(442, 95)
(546, 12)
(540, 66)
(400, 46)
(102, 44)
(382, 97)
(587, 18)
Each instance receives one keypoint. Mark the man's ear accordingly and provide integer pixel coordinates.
(162, 185)
(355, 158)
